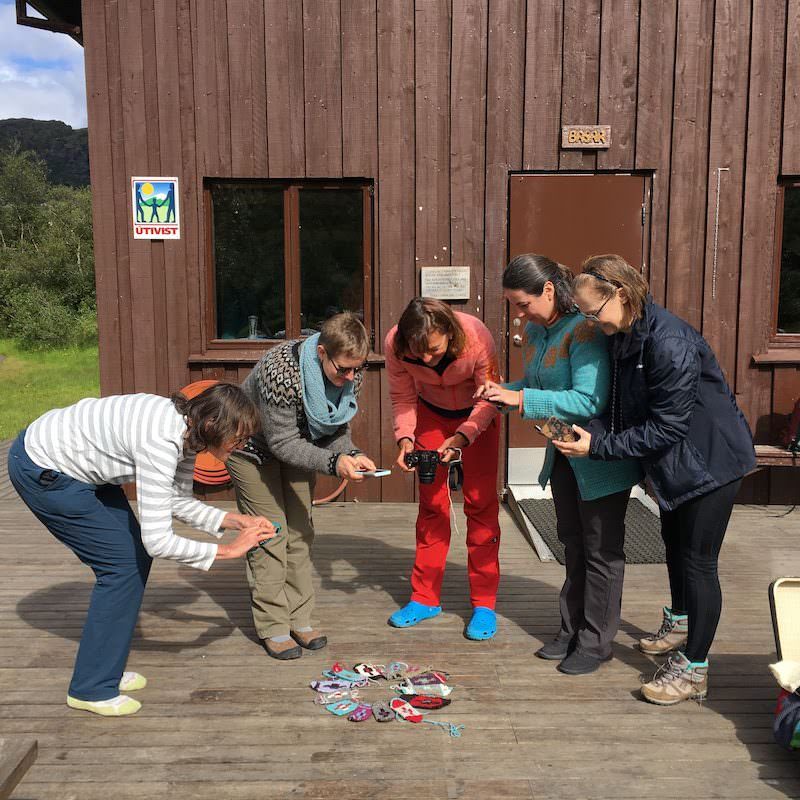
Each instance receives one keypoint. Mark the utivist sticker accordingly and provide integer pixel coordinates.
(156, 209)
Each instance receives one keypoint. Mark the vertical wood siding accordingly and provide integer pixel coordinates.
(436, 101)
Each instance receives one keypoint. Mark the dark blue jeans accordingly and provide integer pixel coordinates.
(97, 524)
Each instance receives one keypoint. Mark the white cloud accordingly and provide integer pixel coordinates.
(41, 73)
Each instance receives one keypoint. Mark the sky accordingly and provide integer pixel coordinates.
(41, 73)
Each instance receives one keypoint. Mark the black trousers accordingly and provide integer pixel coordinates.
(693, 535)
(593, 534)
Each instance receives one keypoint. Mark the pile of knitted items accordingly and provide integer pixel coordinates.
(419, 689)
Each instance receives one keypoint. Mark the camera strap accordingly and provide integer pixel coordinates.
(455, 474)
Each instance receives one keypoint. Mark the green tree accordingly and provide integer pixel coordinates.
(47, 294)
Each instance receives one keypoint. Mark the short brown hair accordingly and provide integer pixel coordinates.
(344, 335)
(217, 415)
(423, 316)
(607, 273)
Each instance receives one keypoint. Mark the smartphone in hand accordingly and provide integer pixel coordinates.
(557, 430)
(374, 473)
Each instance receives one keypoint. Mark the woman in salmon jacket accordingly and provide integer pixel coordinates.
(436, 358)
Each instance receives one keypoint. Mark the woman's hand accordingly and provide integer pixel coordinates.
(404, 446)
(446, 451)
(495, 393)
(247, 539)
(578, 448)
(347, 468)
(363, 462)
(238, 522)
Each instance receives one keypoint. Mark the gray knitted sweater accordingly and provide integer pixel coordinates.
(274, 385)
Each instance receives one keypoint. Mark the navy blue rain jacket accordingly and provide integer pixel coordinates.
(673, 410)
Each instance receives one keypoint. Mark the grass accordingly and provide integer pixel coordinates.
(34, 382)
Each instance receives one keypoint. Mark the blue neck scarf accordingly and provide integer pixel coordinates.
(327, 407)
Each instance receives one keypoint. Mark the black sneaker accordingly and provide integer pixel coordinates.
(578, 663)
(559, 648)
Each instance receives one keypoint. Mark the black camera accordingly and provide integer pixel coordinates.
(426, 462)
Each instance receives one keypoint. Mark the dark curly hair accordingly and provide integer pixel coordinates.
(219, 414)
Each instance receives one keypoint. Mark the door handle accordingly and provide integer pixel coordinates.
(516, 340)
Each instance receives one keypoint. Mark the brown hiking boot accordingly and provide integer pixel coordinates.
(677, 680)
(310, 640)
(283, 651)
(670, 636)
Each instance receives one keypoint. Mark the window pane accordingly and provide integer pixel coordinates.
(789, 298)
(331, 254)
(248, 256)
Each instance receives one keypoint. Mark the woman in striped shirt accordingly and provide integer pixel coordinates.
(69, 466)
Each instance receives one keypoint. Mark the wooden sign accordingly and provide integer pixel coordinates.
(585, 137)
(445, 283)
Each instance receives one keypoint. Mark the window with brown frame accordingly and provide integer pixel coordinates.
(285, 256)
(786, 324)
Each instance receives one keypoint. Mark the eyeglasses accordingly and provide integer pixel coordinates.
(342, 371)
(595, 316)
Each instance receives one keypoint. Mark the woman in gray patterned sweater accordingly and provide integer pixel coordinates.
(306, 392)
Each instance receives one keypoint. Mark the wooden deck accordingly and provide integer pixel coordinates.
(221, 720)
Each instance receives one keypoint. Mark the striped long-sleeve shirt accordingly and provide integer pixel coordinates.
(127, 438)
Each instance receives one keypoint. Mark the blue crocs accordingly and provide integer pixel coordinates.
(412, 613)
(483, 624)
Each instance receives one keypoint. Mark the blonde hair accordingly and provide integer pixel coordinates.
(607, 273)
(344, 335)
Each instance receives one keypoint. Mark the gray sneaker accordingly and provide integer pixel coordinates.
(670, 636)
(677, 680)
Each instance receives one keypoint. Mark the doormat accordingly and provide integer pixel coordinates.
(643, 543)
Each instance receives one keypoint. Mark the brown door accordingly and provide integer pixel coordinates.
(567, 218)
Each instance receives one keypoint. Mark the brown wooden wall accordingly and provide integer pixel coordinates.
(437, 100)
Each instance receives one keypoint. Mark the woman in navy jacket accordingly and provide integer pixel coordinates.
(672, 409)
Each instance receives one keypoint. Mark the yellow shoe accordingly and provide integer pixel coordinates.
(119, 706)
(131, 681)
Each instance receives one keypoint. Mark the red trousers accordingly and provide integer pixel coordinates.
(481, 507)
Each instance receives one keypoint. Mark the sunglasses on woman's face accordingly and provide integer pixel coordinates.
(342, 371)
(595, 315)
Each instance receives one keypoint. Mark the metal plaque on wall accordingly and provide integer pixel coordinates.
(445, 283)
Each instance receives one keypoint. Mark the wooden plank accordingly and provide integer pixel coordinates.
(432, 26)
(103, 213)
(141, 158)
(504, 137)
(726, 180)
(543, 61)
(580, 75)
(752, 385)
(166, 67)
(172, 136)
(16, 758)
(790, 157)
(240, 75)
(322, 77)
(657, 30)
(122, 201)
(395, 191)
(684, 290)
(359, 90)
(468, 143)
(619, 63)
(285, 101)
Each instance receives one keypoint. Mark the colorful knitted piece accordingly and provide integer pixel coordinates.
(427, 702)
(404, 710)
(342, 708)
(382, 712)
(362, 713)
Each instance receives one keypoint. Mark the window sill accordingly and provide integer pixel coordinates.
(252, 356)
(778, 355)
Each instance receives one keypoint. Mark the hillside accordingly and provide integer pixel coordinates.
(65, 150)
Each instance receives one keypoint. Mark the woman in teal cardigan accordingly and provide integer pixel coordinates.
(567, 376)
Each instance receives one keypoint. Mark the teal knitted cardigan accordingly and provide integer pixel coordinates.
(567, 375)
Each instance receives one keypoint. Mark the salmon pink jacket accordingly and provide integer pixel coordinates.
(452, 390)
